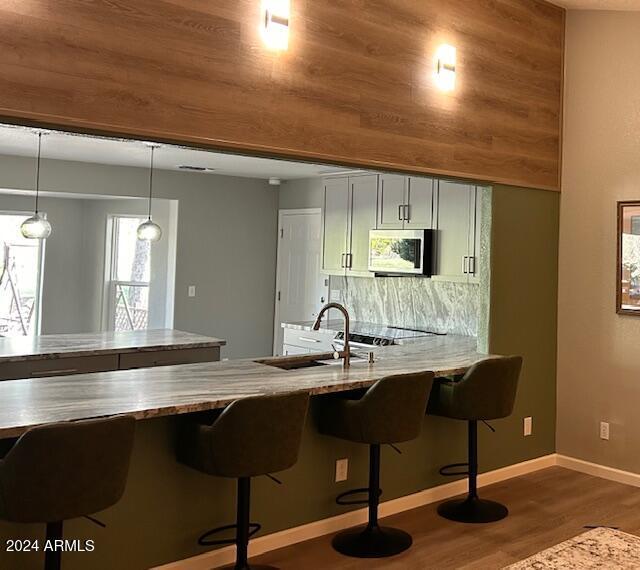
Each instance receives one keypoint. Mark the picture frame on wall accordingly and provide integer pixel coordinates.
(628, 259)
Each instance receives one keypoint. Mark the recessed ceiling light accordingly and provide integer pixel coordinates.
(192, 168)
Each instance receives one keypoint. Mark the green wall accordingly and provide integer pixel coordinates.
(167, 506)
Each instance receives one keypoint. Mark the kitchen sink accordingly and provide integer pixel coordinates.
(291, 363)
(303, 361)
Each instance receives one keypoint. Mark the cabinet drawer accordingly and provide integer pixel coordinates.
(168, 357)
(315, 341)
(58, 366)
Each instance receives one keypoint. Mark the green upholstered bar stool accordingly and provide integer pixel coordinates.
(62, 471)
(391, 411)
(250, 437)
(486, 392)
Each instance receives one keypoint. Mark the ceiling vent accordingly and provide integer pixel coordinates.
(191, 168)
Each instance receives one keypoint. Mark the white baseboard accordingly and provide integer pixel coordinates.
(331, 525)
(602, 471)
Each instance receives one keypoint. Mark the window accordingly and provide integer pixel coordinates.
(20, 278)
(130, 274)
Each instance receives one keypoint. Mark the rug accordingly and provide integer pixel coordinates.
(602, 548)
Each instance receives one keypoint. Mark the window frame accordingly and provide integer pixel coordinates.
(37, 328)
(111, 283)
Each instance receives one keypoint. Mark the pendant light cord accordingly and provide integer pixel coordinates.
(151, 181)
(38, 170)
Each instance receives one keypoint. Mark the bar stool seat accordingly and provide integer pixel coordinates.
(486, 392)
(62, 471)
(391, 411)
(250, 437)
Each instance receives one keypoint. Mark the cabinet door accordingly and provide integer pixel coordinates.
(475, 234)
(288, 350)
(420, 203)
(363, 194)
(454, 202)
(391, 198)
(336, 216)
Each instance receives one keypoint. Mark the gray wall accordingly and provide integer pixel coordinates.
(598, 356)
(226, 241)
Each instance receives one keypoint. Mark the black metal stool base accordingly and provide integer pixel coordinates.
(372, 542)
(249, 567)
(472, 510)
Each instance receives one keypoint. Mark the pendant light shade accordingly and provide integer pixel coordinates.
(37, 226)
(149, 230)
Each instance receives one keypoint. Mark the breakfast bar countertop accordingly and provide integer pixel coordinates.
(50, 346)
(172, 390)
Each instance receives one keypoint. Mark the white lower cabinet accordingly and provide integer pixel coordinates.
(306, 342)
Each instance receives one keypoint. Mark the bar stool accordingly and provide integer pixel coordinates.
(253, 436)
(391, 411)
(66, 470)
(486, 392)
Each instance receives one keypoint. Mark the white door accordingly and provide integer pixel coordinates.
(301, 290)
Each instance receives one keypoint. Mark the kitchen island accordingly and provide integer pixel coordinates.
(172, 390)
(65, 354)
(165, 498)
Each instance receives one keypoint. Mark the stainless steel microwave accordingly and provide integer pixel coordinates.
(401, 252)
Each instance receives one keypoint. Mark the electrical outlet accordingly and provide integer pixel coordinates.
(342, 470)
(528, 426)
(336, 295)
(604, 430)
(192, 290)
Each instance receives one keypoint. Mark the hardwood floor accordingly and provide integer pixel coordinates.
(546, 507)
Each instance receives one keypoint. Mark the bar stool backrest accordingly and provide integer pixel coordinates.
(393, 409)
(488, 389)
(66, 470)
(258, 435)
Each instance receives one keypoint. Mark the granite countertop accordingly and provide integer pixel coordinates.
(14, 349)
(172, 390)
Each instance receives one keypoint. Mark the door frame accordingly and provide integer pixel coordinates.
(281, 214)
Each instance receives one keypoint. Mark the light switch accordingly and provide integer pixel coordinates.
(192, 290)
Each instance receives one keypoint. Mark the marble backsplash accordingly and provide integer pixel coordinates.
(411, 302)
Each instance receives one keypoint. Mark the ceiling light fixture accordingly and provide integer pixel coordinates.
(37, 226)
(274, 27)
(446, 67)
(149, 230)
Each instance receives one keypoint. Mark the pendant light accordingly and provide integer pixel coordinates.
(149, 230)
(37, 226)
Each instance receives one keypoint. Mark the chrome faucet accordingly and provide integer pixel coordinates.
(345, 354)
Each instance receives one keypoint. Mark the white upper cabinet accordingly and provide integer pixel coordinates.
(391, 200)
(355, 205)
(458, 231)
(349, 214)
(336, 218)
(363, 219)
(419, 211)
(405, 202)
